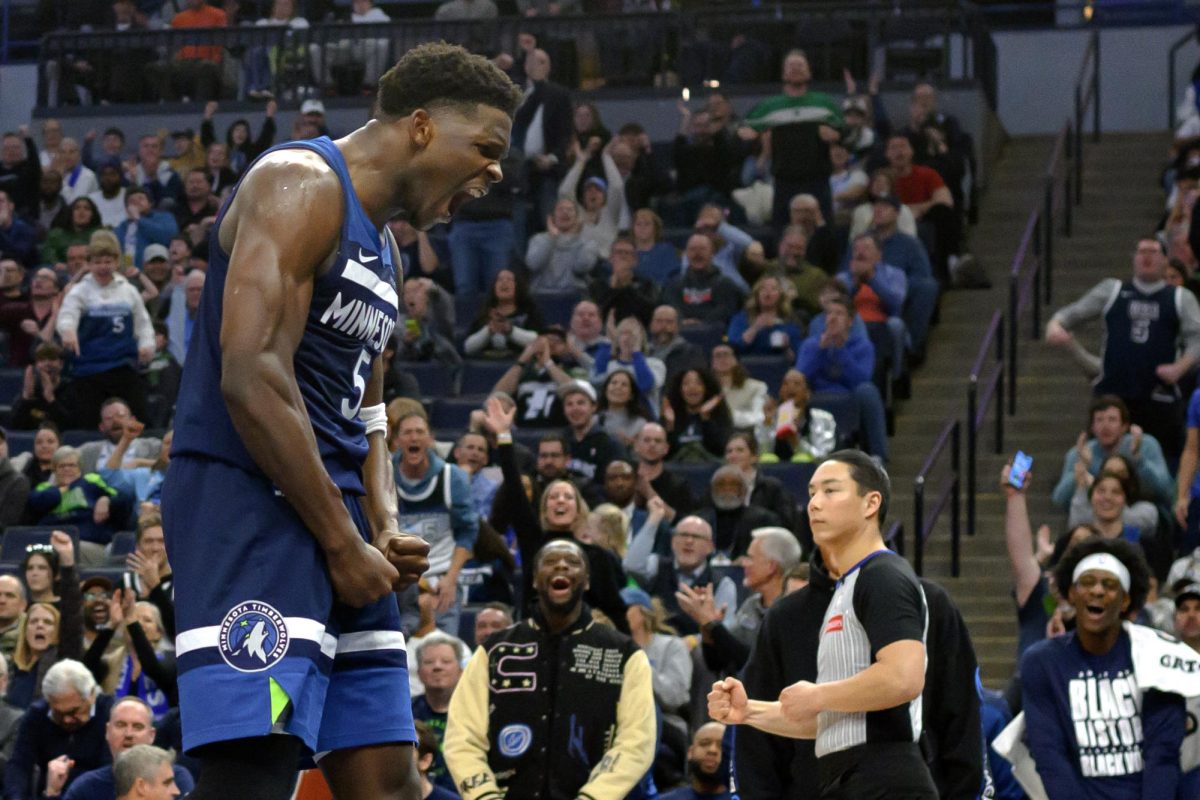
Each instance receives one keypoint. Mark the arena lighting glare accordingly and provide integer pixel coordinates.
(1088, 10)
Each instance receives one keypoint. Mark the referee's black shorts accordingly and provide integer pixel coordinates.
(883, 770)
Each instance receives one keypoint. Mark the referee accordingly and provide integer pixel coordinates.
(865, 708)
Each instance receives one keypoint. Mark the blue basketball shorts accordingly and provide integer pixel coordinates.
(263, 646)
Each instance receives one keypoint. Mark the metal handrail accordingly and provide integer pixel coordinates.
(993, 388)
(1172, 58)
(1026, 253)
(949, 494)
(1091, 56)
(1050, 183)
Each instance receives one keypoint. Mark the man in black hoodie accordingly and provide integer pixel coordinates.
(776, 768)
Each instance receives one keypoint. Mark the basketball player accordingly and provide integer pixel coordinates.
(280, 506)
(864, 710)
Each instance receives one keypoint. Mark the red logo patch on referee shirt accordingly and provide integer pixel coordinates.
(834, 624)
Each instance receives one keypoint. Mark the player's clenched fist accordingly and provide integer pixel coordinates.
(727, 702)
(409, 554)
(360, 574)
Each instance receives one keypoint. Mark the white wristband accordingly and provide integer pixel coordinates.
(374, 418)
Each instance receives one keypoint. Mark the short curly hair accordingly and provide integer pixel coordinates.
(439, 74)
(1127, 553)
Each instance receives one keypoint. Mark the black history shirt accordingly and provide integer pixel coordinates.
(1091, 729)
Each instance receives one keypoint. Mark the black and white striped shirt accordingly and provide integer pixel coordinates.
(878, 601)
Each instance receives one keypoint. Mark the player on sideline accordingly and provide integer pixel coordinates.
(280, 505)
(865, 708)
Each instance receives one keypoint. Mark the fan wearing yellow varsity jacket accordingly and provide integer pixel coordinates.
(556, 707)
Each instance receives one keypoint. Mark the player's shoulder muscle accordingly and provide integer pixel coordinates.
(291, 203)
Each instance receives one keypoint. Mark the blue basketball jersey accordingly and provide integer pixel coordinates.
(1141, 332)
(351, 317)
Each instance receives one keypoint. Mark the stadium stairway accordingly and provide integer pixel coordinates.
(1121, 201)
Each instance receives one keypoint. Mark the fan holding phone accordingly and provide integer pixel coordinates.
(1018, 473)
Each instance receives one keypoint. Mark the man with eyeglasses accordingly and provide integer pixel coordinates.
(97, 592)
(131, 724)
(691, 547)
(62, 735)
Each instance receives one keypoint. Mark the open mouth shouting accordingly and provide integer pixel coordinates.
(461, 198)
(560, 587)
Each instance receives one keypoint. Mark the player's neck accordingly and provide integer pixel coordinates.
(364, 151)
(844, 553)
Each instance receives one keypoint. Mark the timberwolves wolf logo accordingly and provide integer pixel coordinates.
(253, 637)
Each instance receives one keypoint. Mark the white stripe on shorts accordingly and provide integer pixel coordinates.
(367, 641)
(297, 628)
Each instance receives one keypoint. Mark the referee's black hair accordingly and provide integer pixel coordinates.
(868, 474)
(438, 74)
(1127, 553)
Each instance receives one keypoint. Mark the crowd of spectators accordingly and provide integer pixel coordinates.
(639, 324)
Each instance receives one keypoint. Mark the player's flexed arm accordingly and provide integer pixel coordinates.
(280, 232)
(406, 552)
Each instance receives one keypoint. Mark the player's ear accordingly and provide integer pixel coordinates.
(420, 127)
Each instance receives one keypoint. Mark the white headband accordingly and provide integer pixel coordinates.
(1105, 563)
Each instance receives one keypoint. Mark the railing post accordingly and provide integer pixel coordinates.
(972, 443)
(1035, 319)
(999, 393)
(918, 523)
(955, 499)
(1078, 129)
(1068, 211)
(1096, 87)
(1013, 328)
(1048, 233)
(999, 445)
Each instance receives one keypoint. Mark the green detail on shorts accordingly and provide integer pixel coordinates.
(279, 701)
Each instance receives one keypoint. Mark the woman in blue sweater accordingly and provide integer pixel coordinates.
(1092, 731)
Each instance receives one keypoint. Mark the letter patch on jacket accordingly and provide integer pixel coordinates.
(600, 664)
(506, 663)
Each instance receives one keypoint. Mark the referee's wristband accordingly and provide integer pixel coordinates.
(504, 438)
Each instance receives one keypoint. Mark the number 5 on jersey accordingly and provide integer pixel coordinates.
(351, 404)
